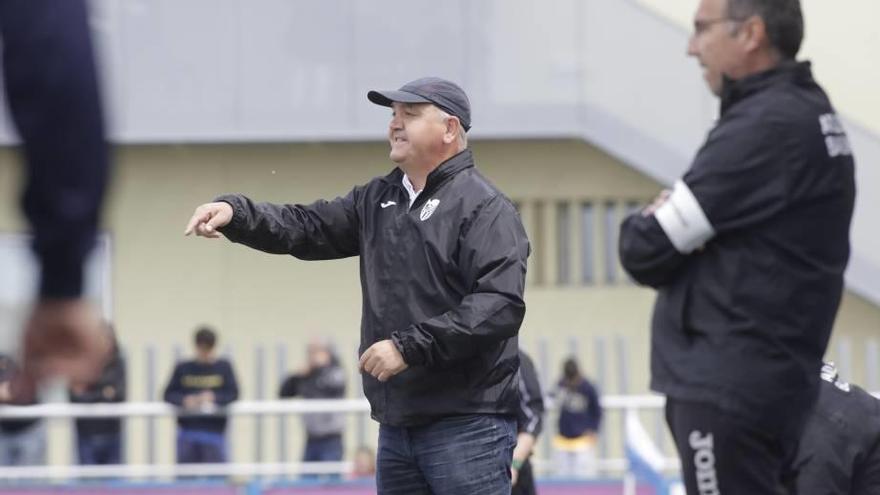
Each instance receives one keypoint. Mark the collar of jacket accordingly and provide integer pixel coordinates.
(734, 91)
(455, 164)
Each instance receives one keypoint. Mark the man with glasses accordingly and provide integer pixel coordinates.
(747, 253)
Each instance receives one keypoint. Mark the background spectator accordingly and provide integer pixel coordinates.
(199, 386)
(579, 417)
(364, 463)
(98, 440)
(323, 378)
(22, 441)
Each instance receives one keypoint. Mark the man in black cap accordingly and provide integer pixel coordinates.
(443, 263)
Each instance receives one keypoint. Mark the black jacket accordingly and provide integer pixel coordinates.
(840, 448)
(443, 279)
(110, 387)
(192, 377)
(747, 298)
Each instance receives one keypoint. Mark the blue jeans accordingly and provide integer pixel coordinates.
(99, 448)
(200, 446)
(320, 449)
(453, 456)
(26, 447)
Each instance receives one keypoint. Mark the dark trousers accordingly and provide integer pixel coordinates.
(525, 481)
(325, 448)
(724, 454)
(456, 455)
(322, 449)
(195, 446)
(99, 448)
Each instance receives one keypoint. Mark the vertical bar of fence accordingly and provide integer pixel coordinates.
(281, 362)
(659, 430)
(622, 365)
(872, 366)
(574, 350)
(543, 358)
(360, 418)
(844, 358)
(260, 389)
(124, 420)
(151, 397)
(602, 380)
(622, 381)
(230, 419)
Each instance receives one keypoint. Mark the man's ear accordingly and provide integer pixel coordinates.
(453, 125)
(754, 32)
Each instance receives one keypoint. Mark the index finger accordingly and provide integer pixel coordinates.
(196, 219)
(366, 355)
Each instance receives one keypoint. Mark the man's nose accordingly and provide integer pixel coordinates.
(395, 123)
(692, 46)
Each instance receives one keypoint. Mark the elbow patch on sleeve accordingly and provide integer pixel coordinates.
(683, 220)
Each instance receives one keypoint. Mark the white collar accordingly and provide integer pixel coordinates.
(413, 194)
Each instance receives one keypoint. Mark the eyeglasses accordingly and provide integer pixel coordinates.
(701, 26)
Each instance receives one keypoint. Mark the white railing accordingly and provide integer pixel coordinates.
(623, 403)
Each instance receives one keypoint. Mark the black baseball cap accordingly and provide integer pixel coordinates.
(447, 95)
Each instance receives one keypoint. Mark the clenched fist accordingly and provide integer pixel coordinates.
(382, 360)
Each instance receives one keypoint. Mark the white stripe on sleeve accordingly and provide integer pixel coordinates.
(683, 220)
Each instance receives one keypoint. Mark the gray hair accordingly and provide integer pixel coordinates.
(462, 133)
(783, 18)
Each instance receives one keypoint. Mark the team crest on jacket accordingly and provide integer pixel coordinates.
(428, 209)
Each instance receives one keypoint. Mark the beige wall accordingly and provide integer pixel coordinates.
(841, 39)
(166, 284)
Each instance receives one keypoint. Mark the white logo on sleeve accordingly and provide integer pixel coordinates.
(428, 209)
(387, 204)
(835, 136)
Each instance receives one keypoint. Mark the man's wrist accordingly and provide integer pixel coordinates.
(517, 464)
(409, 354)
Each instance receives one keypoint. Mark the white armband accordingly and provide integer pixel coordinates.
(683, 220)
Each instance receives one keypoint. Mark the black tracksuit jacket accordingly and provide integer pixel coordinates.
(443, 279)
(742, 320)
(839, 452)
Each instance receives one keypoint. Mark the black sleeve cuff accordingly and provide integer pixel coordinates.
(406, 345)
(238, 220)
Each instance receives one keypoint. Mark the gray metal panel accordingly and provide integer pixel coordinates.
(395, 42)
(181, 67)
(295, 66)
